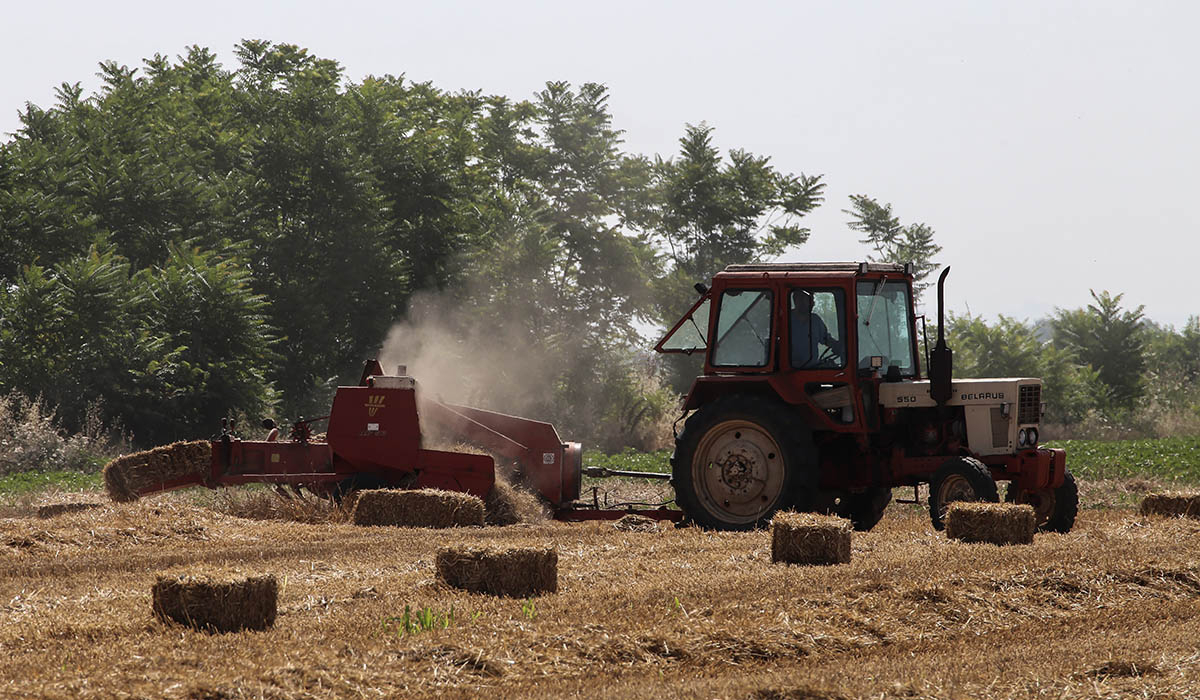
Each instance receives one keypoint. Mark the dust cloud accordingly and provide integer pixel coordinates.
(490, 363)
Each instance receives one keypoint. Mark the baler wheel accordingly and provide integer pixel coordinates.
(737, 462)
(1055, 509)
(959, 479)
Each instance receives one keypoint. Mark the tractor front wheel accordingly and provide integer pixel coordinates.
(959, 479)
(737, 463)
(1055, 509)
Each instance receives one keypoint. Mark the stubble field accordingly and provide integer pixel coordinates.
(1110, 610)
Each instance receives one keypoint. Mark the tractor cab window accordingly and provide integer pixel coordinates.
(884, 329)
(743, 328)
(689, 333)
(818, 328)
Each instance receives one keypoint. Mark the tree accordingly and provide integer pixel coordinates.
(216, 345)
(709, 212)
(1109, 339)
(71, 335)
(890, 240)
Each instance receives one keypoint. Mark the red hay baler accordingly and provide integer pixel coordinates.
(376, 438)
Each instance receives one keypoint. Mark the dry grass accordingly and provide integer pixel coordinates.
(992, 523)
(267, 504)
(636, 523)
(1110, 610)
(507, 504)
(50, 510)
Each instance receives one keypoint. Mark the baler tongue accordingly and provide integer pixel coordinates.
(162, 468)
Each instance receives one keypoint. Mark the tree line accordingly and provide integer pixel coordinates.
(1108, 370)
(192, 242)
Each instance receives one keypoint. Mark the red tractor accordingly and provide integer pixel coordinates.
(813, 398)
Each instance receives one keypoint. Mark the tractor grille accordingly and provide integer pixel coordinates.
(1029, 404)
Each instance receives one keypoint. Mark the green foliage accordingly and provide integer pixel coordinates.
(1110, 340)
(630, 460)
(216, 346)
(891, 241)
(30, 482)
(166, 351)
(1172, 459)
(422, 619)
(529, 609)
(72, 336)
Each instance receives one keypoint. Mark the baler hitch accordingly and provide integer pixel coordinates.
(605, 472)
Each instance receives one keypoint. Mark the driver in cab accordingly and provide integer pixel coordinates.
(813, 346)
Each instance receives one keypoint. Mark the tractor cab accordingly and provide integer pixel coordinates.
(817, 332)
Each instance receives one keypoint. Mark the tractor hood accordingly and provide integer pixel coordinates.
(963, 392)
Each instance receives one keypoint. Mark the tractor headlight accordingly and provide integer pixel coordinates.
(1021, 437)
(1032, 436)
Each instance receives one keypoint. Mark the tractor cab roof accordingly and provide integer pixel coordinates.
(805, 269)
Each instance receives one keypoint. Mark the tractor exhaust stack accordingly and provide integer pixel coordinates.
(941, 363)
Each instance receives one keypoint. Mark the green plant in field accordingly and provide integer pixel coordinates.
(1171, 459)
(35, 481)
(631, 460)
(529, 609)
(420, 620)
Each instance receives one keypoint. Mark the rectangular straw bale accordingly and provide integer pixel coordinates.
(128, 474)
(216, 604)
(517, 572)
(1172, 504)
(808, 538)
(419, 508)
(997, 523)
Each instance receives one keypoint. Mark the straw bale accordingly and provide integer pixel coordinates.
(417, 508)
(997, 523)
(808, 538)
(1172, 504)
(636, 523)
(52, 509)
(128, 474)
(517, 572)
(216, 604)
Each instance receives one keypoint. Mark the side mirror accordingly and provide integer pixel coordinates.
(268, 424)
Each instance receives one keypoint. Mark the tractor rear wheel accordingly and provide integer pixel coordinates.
(737, 462)
(959, 479)
(1055, 509)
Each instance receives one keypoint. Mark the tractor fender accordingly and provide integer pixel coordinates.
(706, 389)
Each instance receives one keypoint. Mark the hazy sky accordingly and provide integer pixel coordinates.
(1053, 146)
